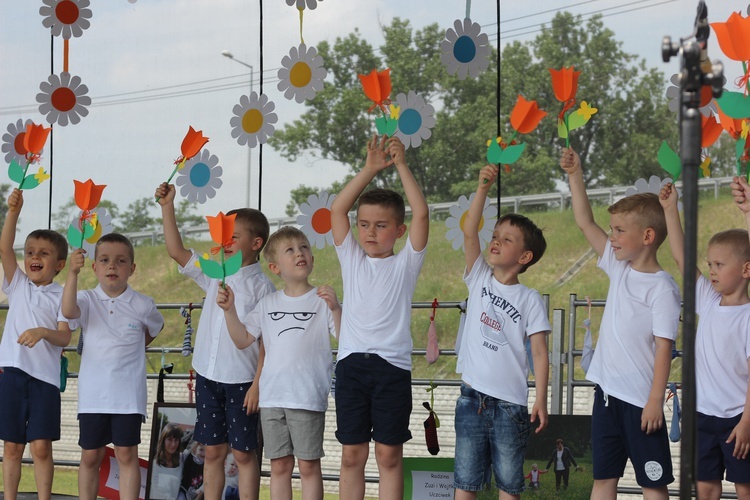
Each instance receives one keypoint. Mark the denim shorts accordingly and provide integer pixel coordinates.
(490, 431)
(221, 417)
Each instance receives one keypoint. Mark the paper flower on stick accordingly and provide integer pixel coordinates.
(300, 4)
(103, 226)
(734, 40)
(31, 142)
(253, 120)
(524, 118)
(67, 18)
(301, 74)
(87, 197)
(200, 178)
(377, 88)
(221, 228)
(565, 86)
(315, 219)
(455, 223)
(191, 146)
(737, 128)
(413, 118)
(13, 147)
(63, 99)
(465, 50)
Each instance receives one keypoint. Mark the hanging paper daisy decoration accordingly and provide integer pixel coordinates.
(67, 18)
(253, 120)
(315, 219)
(466, 49)
(301, 4)
(302, 73)
(63, 99)
(13, 147)
(200, 178)
(415, 119)
(455, 223)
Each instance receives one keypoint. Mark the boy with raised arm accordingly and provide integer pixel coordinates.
(373, 372)
(226, 397)
(296, 324)
(30, 351)
(119, 324)
(492, 418)
(631, 363)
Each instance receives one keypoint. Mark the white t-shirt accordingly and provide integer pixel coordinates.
(31, 306)
(378, 294)
(722, 348)
(112, 377)
(640, 306)
(297, 369)
(215, 356)
(499, 318)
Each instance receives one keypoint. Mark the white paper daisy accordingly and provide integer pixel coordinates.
(315, 219)
(466, 49)
(415, 119)
(200, 177)
(66, 17)
(63, 99)
(673, 94)
(302, 73)
(103, 226)
(455, 223)
(253, 120)
(300, 4)
(13, 142)
(652, 185)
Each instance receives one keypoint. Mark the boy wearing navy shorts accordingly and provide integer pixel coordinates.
(119, 323)
(226, 394)
(373, 372)
(631, 363)
(30, 351)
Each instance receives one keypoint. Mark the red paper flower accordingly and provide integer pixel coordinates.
(88, 194)
(377, 87)
(526, 115)
(734, 37)
(192, 144)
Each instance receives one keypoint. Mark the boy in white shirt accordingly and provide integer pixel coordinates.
(492, 418)
(634, 352)
(373, 371)
(226, 396)
(30, 351)
(722, 349)
(295, 324)
(119, 323)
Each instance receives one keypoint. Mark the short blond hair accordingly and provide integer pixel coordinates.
(284, 234)
(647, 212)
(736, 239)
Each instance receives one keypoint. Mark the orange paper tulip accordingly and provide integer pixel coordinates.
(733, 126)
(377, 87)
(192, 143)
(35, 138)
(734, 37)
(88, 194)
(564, 83)
(526, 115)
(710, 131)
(221, 228)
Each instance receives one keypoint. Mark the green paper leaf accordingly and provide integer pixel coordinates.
(512, 153)
(493, 152)
(15, 171)
(386, 126)
(669, 161)
(211, 269)
(734, 104)
(74, 236)
(233, 264)
(30, 182)
(88, 230)
(576, 120)
(561, 130)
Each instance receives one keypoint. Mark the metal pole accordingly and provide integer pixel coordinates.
(228, 54)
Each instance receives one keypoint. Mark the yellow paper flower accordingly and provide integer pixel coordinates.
(705, 167)
(586, 110)
(745, 129)
(395, 110)
(41, 175)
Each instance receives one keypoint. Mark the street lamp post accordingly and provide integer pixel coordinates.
(228, 54)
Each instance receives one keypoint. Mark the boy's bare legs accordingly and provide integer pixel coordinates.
(12, 456)
(656, 493)
(312, 479)
(130, 472)
(44, 467)
(88, 473)
(709, 490)
(352, 480)
(213, 471)
(605, 489)
(465, 495)
(281, 477)
(248, 474)
(743, 491)
(391, 469)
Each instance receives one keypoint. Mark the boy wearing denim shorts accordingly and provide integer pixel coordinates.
(30, 349)
(631, 363)
(492, 419)
(373, 372)
(119, 323)
(225, 392)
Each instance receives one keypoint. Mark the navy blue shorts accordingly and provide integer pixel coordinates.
(30, 408)
(221, 417)
(616, 435)
(99, 429)
(715, 454)
(373, 400)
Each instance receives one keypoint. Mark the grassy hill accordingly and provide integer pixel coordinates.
(156, 275)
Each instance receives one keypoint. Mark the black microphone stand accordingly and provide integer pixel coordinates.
(692, 78)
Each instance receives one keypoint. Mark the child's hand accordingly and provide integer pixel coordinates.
(487, 176)
(570, 161)
(741, 437)
(668, 196)
(77, 260)
(377, 156)
(165, 193)
(741, 193)
(15, 200)
(328, 294)
(225, 298)
(31, 337)
(539, 412)
(396, 150)
(652, 418)
(252, 398)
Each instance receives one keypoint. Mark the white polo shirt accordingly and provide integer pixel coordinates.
(215, 356)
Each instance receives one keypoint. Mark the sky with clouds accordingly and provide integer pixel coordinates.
(153, 67)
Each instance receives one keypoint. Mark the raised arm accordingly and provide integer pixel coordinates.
(472, 247)
(595, 235)
(8, 235)
(741, 195)
(69, 307)
(420, 212)
(344, 201)
(165, 194)
(240, 335)
(668, 199)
